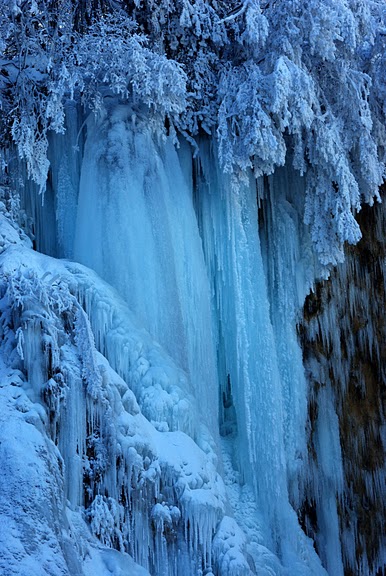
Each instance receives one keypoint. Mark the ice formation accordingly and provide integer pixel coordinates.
(182, 392)
(151, 357)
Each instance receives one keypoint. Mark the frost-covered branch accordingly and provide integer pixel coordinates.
(272, 81)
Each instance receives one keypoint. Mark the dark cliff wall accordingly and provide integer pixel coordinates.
(343, 336)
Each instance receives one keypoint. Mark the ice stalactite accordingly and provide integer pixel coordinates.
(290, 268)
(65, 160)
(232, 246)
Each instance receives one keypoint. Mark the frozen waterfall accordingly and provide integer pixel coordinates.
(176, 399)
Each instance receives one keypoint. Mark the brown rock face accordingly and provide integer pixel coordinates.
(343, 337)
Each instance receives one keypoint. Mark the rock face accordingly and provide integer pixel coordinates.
(343, 336)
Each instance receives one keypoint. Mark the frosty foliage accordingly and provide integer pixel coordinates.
(47, 59)
(300, 79)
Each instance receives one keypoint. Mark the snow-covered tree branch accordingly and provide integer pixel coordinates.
(285, 81)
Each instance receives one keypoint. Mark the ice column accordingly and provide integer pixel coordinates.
(232, 247)
(136, 227)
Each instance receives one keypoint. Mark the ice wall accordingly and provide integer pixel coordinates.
(262, 385)
(136, 228)
(219, 284)
(143, 227)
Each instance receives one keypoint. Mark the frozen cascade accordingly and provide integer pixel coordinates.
(290, 269)
(249, 360)
(136, 201)
(192, 328)
(146, 430)
(136, 228)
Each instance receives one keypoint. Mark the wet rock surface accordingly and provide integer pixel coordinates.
(343, 336)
